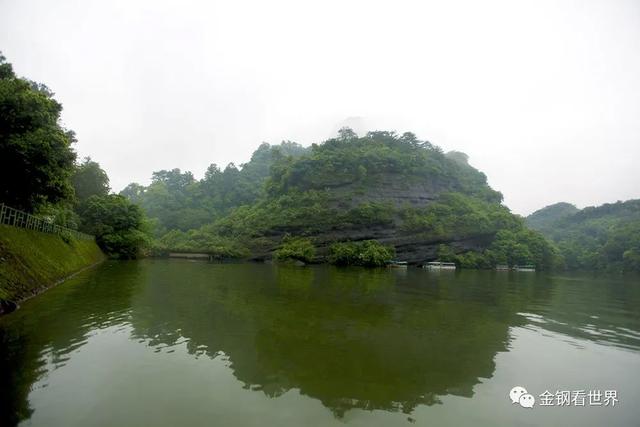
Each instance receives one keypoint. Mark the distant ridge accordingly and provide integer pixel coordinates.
(605, 237)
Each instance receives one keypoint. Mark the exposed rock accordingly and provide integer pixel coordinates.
(391, 188)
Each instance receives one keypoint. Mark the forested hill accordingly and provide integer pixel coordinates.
(606, 237)
(177, 201)
(388, 192)
(545, 219)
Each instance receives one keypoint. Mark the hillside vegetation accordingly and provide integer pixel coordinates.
(606, 237)
(404, 193)
(545, 219)
(30, 261)
(40, 174)
(177, 201)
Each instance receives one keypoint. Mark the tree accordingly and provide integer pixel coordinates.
(212, 173)
(174, 179)
(346, 134)
(118, 224)
(458, 156)
(89, 180)
(36, 158)
(6, 70)
(175, 200)
(134, 192)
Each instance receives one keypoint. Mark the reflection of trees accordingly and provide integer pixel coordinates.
(48, 328)
(351, 338)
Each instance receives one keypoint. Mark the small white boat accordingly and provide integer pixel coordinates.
(439, 265)
(528, 267)
(397, 264)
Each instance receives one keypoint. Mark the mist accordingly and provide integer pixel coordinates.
(543, 96)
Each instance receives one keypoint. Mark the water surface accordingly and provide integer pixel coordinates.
(174, 342)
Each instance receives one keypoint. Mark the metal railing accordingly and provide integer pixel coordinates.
(16, 218)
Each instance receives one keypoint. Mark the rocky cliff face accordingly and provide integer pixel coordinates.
(414, 250)
(397, 192)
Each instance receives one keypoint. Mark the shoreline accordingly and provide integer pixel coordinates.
(15, 305)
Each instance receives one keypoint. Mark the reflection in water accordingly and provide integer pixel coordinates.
(600, 309)
(54, 324)
(350, 338)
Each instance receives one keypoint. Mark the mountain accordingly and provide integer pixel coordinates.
(545, 218)
(404, 193)
(606, 237)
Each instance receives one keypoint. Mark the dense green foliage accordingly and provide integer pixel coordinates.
(304, 213)
(544, 219)
(455, 214)
(296, 248)
(368, 253)
(349, 189)
(177, 201)
(606, 237)
(89, 179)
(38, 172)
(36, 158)
(200, 240)
(304, 194)
(117, 223)
(349, 160)
(511, 247)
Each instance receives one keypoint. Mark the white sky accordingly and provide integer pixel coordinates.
(544, 96)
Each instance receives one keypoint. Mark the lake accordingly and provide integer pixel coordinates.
(184, 343)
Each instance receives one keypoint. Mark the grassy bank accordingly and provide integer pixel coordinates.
(31, 261)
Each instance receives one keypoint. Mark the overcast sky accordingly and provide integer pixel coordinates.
(544, 96)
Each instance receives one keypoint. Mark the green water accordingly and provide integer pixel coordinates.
(179, 343)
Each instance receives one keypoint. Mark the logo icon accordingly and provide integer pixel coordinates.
(520, 395)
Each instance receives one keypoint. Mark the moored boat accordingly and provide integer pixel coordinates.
(528, 267)
(439, 265)
(397, 264)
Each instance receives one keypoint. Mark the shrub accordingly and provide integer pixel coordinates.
(66, 237)
(369, 253)
(296, 248)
